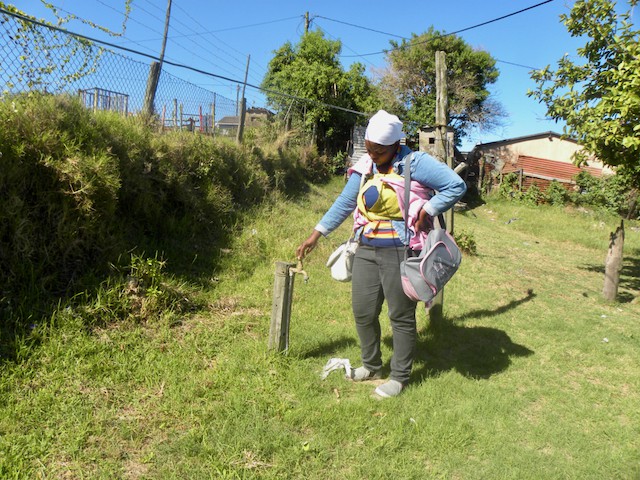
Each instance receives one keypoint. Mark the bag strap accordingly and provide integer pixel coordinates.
(407, 196)
(362, 181)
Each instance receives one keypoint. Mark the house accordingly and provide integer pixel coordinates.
(254, 116)
(536, 159)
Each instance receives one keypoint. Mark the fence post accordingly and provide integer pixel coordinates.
(95, 100)
(175, 113)
(281, 307)
(213, 116)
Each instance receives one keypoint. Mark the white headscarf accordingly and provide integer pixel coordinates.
(384, 129)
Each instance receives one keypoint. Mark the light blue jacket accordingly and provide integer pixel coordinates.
(425, 169)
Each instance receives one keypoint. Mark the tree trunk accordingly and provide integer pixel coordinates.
(633, 203)
(613, 264)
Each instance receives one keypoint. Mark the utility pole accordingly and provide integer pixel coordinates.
(307, 22)
(444, 153)
(243, 105)
(155, 69)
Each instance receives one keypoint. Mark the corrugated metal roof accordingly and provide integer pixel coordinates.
(524, 138)
(548, 169)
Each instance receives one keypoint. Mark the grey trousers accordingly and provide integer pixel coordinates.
(376, 277)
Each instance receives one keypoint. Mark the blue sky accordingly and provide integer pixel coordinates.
(218, 37)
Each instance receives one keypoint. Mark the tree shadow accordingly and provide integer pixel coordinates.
(475, 352)
(484, 313)
(629, 276)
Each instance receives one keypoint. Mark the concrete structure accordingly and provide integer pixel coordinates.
(253, 117)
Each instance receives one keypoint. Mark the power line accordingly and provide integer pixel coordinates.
(217, 39)
(161, 20)
(361, 27)
(249, 26)
(180, 46)
(517, 65)
(456, 32)
(175, 64)
(173, 36)
(346, 46)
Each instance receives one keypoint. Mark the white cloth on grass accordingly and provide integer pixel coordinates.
(336, 364)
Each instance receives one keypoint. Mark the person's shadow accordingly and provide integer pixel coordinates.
(475, 352)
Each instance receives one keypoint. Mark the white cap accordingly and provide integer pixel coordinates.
(384, 129)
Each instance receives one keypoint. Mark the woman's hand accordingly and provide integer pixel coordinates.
(424, 223)
(308, 245)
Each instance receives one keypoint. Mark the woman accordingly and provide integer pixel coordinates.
(377, 205)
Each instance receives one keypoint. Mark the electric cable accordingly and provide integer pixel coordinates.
(178, 65)
(455, 32)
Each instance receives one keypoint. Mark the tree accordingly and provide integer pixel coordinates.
(409, 82)
(311, 70)
(598, 96)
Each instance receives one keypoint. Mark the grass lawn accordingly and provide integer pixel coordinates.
(531, 374)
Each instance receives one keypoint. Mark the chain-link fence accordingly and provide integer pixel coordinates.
(36, 58)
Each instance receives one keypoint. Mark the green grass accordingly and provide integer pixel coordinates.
(531, 375)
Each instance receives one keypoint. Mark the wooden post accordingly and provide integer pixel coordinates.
(152, 86)
(281, 307)
(444, 152)
(243, 105)
(241, 117)
(613, 264)
(213, 116)
(155, 69)
(520, 179)
(175, 113)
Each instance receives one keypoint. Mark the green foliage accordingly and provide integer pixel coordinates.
(556, 194)
(466, 241)
(410, 83)
(598, 97)
(77, 190)
(311, 69)
(532, 196)
(338, 162)
(613, 193)
(509, 187)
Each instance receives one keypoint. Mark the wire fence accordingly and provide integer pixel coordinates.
(36, 58)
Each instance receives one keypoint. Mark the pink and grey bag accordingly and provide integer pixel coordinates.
(425, 275)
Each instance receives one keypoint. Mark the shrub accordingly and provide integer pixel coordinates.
(78, 189)
(509, 188)
(556, 194)
(466, 241)
(533, 196)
